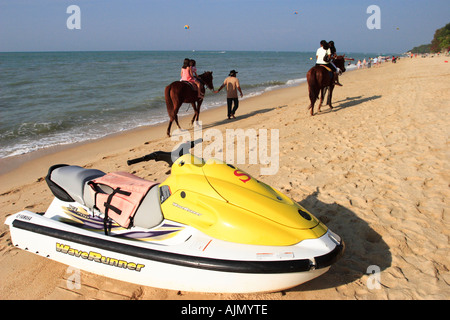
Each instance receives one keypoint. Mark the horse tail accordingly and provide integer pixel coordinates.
(169, 102)
(312, 84)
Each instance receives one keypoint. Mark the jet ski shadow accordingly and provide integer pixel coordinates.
(364, 247)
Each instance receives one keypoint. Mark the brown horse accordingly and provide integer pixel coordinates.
(180, 92)
(319, 78)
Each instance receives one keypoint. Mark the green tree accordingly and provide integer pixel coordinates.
(441, 40)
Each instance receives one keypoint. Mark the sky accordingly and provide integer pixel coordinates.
(247, 25)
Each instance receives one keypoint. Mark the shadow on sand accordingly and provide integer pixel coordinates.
(241, 117)
(364, 247)
(347, 103)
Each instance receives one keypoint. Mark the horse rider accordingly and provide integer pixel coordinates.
(323, 58)
(333, 56)
(188, 75)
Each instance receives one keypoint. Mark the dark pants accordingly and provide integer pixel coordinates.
(229, 103)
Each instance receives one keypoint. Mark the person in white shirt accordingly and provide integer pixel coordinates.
(323, 57)
(322, 53)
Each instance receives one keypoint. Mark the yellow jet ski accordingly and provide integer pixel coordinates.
(209, 227)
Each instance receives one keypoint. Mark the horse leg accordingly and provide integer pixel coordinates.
(330, 94)
(177, 105)
(313, 87)
(176, 120)
(172, 118)
(168, 128)
(173, 105)
(169, 106)
(312, 98)
(194, 106)
(322, 94)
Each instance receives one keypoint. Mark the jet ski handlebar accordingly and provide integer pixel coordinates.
(168, 157)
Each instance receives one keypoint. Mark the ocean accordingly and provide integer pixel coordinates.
(56, 98)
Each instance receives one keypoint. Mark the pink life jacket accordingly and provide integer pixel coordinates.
(120, 205)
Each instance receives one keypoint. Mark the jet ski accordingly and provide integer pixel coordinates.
(209, 227)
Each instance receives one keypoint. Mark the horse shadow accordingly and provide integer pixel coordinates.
(364, 247)
(242, 117)
(349, 102)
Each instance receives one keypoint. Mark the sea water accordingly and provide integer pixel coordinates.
(56, 98)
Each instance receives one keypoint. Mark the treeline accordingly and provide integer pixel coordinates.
(440, 42)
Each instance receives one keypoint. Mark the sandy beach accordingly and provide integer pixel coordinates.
(375, 170)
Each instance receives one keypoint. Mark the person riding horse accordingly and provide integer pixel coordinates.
(188, 75)
(321, 77)
(324, 56)
(179, 92)
(334, 56)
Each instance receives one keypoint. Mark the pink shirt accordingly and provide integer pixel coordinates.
(186, 75)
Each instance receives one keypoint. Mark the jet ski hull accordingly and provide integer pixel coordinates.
(191, 262)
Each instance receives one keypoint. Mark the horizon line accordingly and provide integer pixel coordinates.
(202, 50)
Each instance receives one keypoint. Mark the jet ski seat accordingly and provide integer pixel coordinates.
(70, 184)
